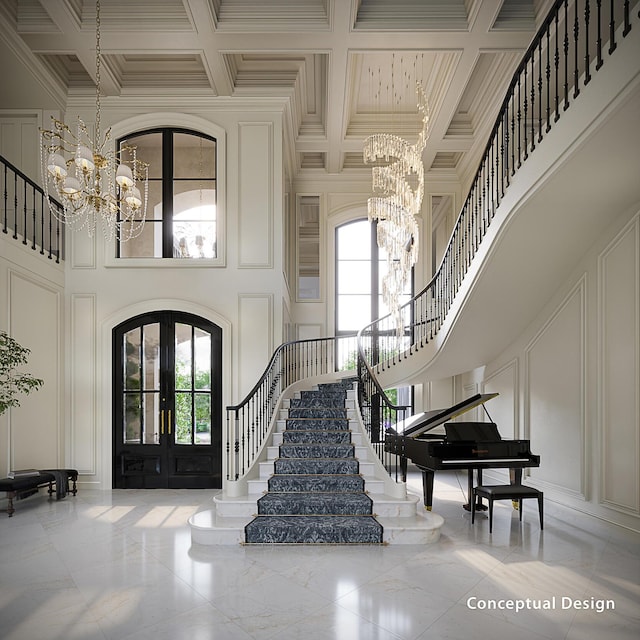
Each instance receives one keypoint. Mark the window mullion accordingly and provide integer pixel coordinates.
(167, 193)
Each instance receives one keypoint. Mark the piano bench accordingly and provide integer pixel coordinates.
(505, 492)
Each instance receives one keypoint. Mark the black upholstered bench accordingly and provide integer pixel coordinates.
(17, 487)
(505, 492)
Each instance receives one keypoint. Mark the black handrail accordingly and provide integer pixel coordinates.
(545, 75)
(514, 136)
(26, 214)
(249, 421)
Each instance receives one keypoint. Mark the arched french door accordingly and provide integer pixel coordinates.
(167, 403)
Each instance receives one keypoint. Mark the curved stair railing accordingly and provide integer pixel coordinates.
(570, 46)
(568, 49)
(249, 421)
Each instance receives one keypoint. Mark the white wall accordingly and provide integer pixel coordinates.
(571, 382)
(70, 335)
(31, 311)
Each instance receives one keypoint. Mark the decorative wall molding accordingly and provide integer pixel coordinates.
(509, 371)
(255, 326)
(83, 424)
(35, 320)
(618, 370)
(566, 387)
(255, 195)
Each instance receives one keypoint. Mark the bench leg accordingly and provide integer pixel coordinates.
(10, 508)
(74, 489)
(490, 514)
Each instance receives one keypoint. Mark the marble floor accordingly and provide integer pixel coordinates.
(120, 564)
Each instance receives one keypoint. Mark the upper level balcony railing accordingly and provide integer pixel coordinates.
(25, 214)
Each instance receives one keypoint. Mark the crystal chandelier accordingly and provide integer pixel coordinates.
(399, 188)
(91, 180)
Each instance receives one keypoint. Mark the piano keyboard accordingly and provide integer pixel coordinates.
(472, 460)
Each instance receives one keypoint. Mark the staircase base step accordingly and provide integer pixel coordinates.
(313, 530)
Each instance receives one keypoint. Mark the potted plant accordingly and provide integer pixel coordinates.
(12, 382)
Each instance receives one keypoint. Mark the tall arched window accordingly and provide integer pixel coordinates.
(182, 220)
(360, 267)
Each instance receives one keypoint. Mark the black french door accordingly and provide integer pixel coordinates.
(167, 403)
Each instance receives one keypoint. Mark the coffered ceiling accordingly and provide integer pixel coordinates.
(346, 68)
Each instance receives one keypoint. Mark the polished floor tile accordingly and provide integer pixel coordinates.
(120, 564)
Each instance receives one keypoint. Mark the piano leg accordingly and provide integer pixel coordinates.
(427, 487)
(515, 477)
(479, 505)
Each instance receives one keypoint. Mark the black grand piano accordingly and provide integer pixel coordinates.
(465, 445)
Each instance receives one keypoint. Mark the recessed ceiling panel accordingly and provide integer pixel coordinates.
(412, 15)
(271, 15)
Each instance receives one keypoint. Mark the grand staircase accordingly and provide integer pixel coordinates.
(316, 493)
(321, 482)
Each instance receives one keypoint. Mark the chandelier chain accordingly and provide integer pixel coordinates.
(98, 55)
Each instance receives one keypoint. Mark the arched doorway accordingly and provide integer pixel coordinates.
(167, 402)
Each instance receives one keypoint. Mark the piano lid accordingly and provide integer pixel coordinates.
(421, 422)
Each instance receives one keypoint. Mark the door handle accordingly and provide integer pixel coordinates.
(162, 422)
(169, 423)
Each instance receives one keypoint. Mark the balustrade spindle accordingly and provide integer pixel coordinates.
(533, 104)
(24, 213)
(557, 74)
(524, 122)
(599, 34)
(566, 56)
(42, 224)
(548, 77)
(612, 28)
(33, 216)
(576, 33)
(5, 198)
(627, 24)
(513, 134)
(540, 90)
(587, 58)
(15, 206)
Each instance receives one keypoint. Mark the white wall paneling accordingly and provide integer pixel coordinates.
(255, 211)
(504, 408)
(619, 369)
(255, 321)
(19, 140)
(555, 395)
(35, 430)
(82, 369)
(309, 331)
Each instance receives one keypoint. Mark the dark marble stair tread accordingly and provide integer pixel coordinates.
(316, 482)
(297, 503)
(312, 413)
(314, 530)
(317, 424)
(316, 465)
(317, 450)
(308, 436)
(318, 401)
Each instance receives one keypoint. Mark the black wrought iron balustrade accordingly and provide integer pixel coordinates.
(25, 214)
(572, 44)
(248, 422)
